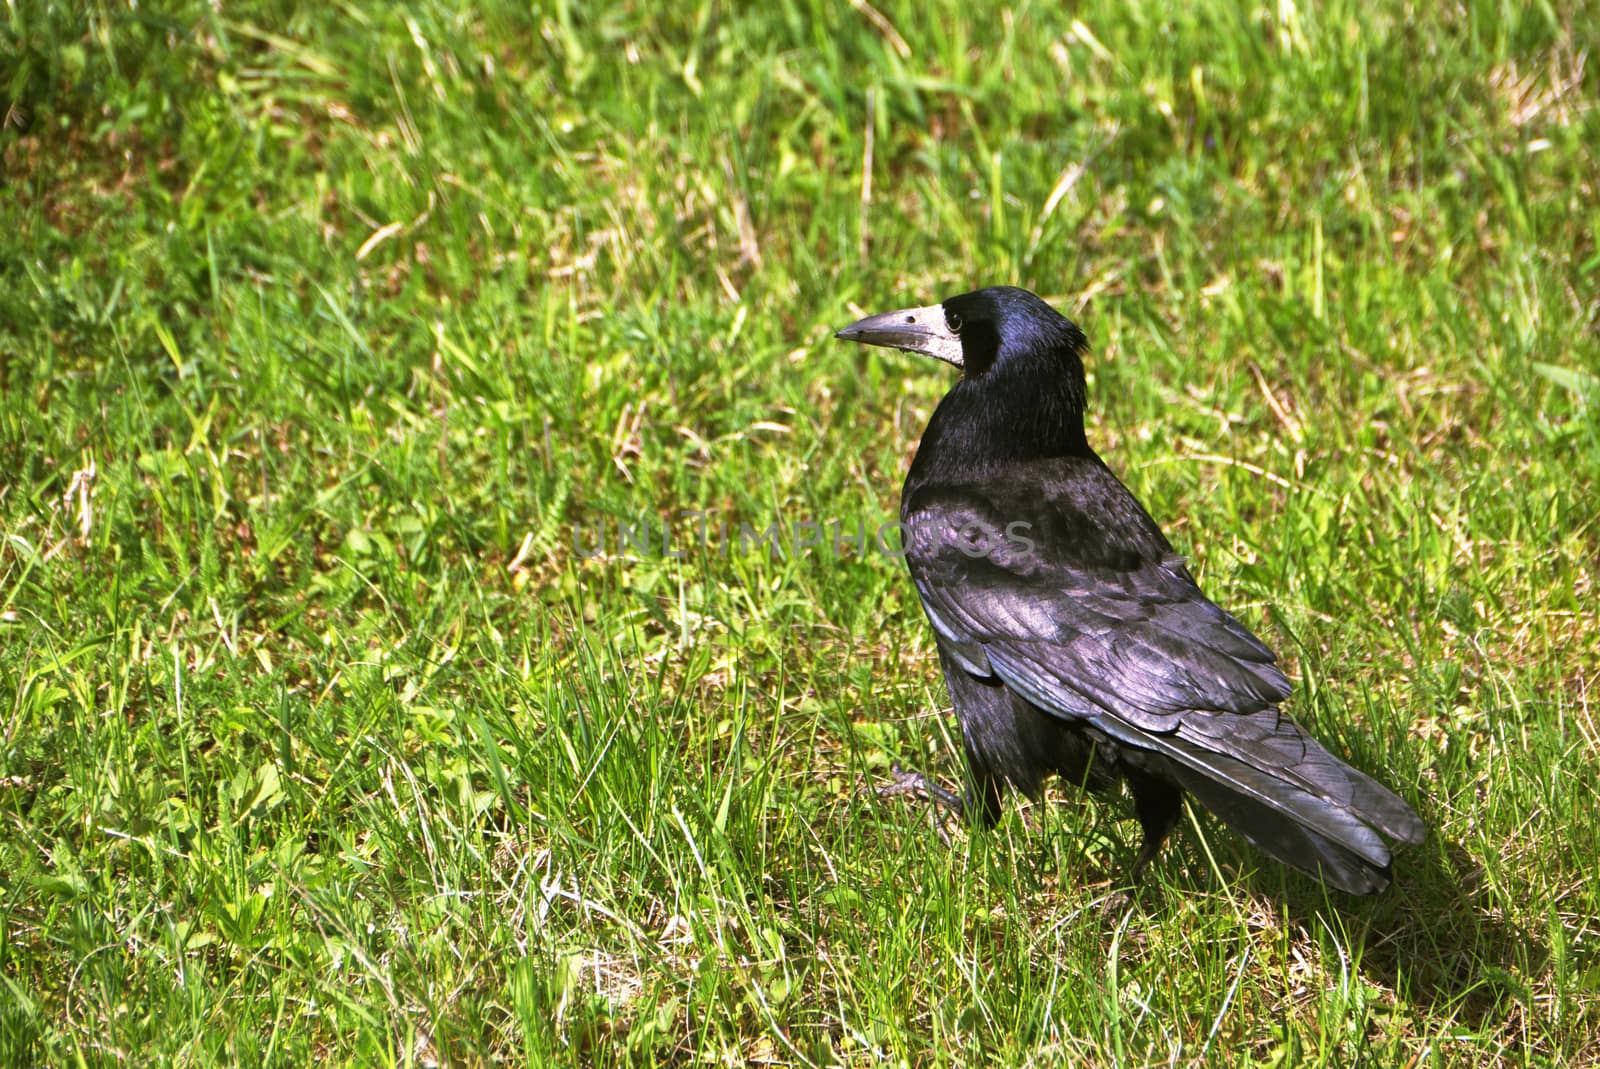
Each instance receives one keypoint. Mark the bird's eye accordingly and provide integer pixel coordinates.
(952, 321)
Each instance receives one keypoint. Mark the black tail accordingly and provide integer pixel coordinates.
(1278, 787)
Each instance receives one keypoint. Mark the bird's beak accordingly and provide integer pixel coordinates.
(916, 330)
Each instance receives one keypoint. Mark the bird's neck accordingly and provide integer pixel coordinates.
(984, 424)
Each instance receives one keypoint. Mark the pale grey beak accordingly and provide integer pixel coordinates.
(916, 330)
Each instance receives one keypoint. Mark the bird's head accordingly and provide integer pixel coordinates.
(1021, 391)
(1000, 327)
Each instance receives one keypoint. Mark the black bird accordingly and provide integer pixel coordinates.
(1073, 639)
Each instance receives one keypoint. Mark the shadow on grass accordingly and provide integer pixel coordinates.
(1436, 937)
(1439, 936)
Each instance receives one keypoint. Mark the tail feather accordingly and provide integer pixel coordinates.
(1357, 867)
(1266, 778)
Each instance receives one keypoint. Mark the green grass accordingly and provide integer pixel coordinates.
(328, 338)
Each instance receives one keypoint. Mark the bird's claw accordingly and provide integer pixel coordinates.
(915, 783)
(905, 782)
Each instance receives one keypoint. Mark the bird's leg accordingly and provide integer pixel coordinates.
(1158, 806)
(950, 803)
(903, 782)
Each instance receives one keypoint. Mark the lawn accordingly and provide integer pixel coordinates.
(442, 619)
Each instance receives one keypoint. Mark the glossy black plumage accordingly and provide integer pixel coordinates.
(1073, 639)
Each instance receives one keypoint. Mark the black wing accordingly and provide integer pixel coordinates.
(1056, 581)
(1065, 587)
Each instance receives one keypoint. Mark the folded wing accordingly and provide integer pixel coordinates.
(1069, 594)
